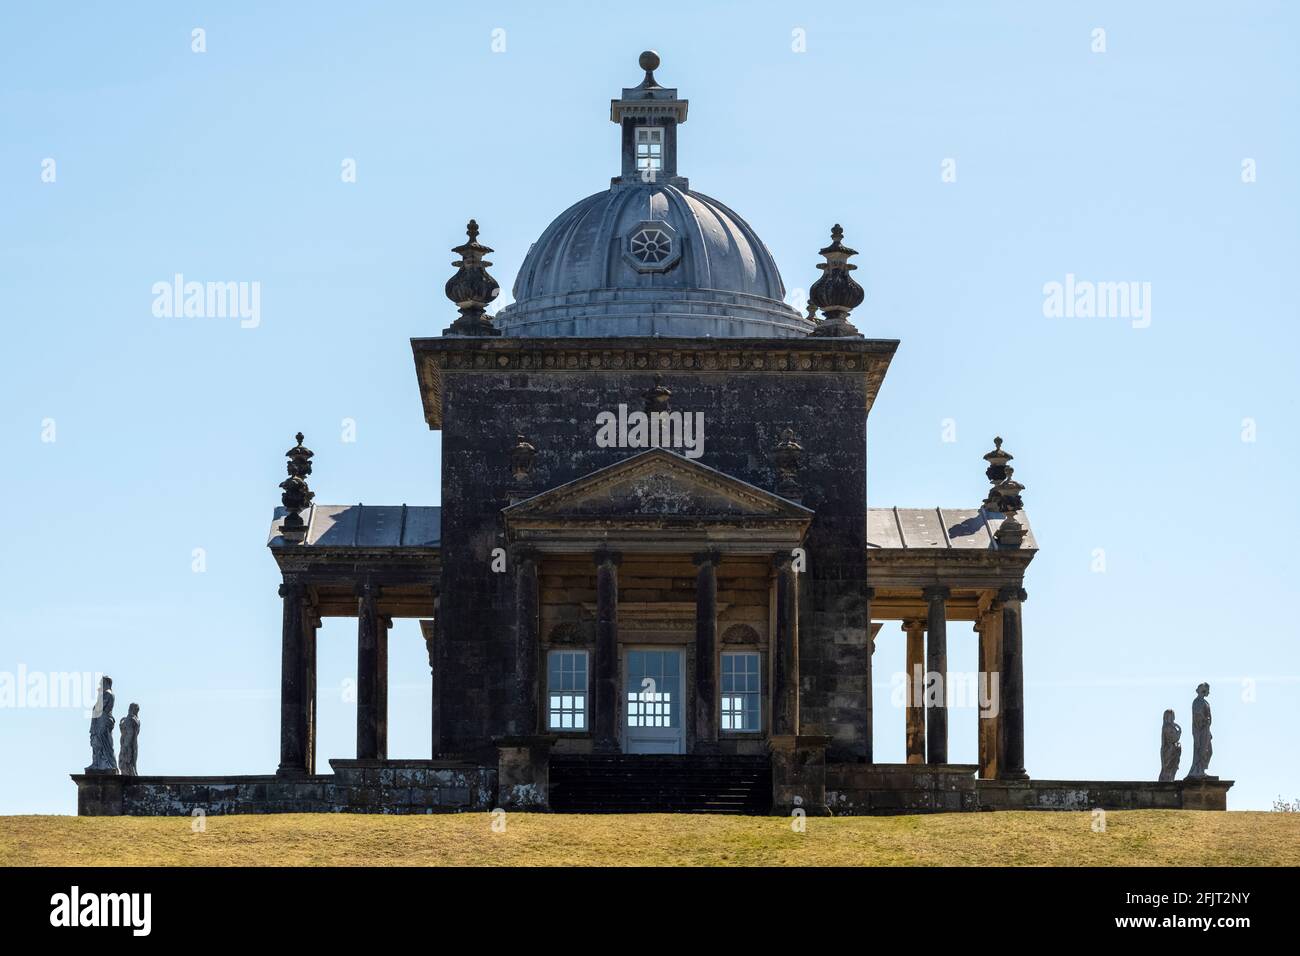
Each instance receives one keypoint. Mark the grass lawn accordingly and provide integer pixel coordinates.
(1138, 837)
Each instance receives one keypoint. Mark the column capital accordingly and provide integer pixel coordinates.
(607, 556)
(292, 588)
(1013, 593)
(708, 556)
(782, 560)
(913, 624)
(366, 588)
(524, 552)
(936, 592)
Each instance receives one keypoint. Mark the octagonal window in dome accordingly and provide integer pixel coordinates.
(651, 246)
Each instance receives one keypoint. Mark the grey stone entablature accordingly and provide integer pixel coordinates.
(436, 358)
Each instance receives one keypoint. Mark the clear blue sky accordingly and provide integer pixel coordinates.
(1117, 166)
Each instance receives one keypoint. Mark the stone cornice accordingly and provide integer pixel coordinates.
(951, 567)
(438, 357)
(406, 558)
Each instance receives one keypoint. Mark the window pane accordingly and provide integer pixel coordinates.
(740, 687)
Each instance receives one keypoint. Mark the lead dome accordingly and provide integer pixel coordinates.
(649, 256)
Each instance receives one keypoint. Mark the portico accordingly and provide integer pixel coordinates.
(661, 579)
(371, 563)
(929, 566)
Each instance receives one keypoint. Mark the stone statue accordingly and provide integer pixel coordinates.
(1202, 749)
(1171, 751)
(129, 728)
(101, 731)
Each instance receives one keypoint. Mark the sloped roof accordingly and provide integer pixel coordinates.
(366, 526)
(916, 528)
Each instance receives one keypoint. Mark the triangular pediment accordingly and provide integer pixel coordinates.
(660, 484)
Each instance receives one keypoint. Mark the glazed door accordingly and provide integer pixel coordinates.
(653, 702)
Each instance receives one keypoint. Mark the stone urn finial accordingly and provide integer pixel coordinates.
(997, 460)
(297, 495)
(472, 288)
(788, 455)
(836, 293)
(1004, 496)
(657, 396)
(521, 458)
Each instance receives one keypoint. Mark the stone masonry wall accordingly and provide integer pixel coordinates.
(397, 787)
(855, 789)
(744, 414)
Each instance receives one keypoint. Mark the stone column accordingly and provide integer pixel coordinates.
(527, 641)
(605, 666)
(293, 753)
(368, 628)
(936, 662)
(989, 628)
(313, 622)
(381, 686)
(915, 631)
(785, 670)
(706, 651)
(1011, 759)
(873, 628)
(429, 629)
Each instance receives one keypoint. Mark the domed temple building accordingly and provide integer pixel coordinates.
(654, 582)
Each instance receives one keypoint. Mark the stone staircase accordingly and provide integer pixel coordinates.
(660, 783)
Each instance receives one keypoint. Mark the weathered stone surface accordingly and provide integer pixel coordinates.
(798, 774)
(523, 773)
(455, 788)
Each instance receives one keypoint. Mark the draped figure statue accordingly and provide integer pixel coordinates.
(1202, 749)
(101, 731)
(129, 728)
(1171, 750)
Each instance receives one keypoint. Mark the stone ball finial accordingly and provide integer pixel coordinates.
(649, 61)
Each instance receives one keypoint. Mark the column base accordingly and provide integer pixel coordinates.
(524, 772)
(1013, 775)
(290, 771)
(99, 793)
(799, 774)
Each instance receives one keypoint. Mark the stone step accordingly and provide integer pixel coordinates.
(662, 783)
